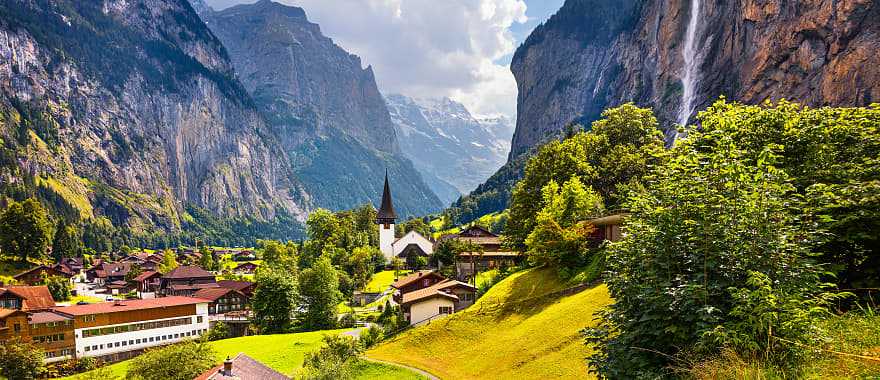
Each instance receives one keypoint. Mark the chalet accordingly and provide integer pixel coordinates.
(26, 298)
(74, 265)
(186, 280)
(36, 275)
(245, 268)
(415, 281)
(104, 273)
(491, 253)
(51, 331)
(412, 245)
(436, 301)
(607, 228)
(120, 287)
(150, 265)
(241, 367)
(223, 300)
(246, 287)
(147, 282)
(244, 255)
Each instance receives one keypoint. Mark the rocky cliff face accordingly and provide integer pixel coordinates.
(322, 103)
(445, 141)
(129, 110)
(596, 54)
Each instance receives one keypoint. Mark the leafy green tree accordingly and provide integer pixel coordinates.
(21, 360)
(610, 158)
(59, 287)
(831, 155)
(322, 226)
(219, 331)
(274, 300)
(25, 230)
(706, 233)
(206, 260)
(319, 295)
(415, 224)
(169, 262)
(333, 361)
(181, 361)
(561, 235)
(135, 271)
(67, 242)
(360, 265)
(278, 255)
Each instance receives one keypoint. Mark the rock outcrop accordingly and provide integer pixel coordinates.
(325, 107)
(129, 109)
(596, 54)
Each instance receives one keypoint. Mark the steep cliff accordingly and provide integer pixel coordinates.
(323, 104)
(596, 54)
(445, 141)
(129, 110)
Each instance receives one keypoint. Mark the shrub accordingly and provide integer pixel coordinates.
(181, 361)
(333, 360)
(371, 336)
(219, 331)
(707, 236)
(20, 360)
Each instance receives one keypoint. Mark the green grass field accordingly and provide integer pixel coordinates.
(381, 281)
(284, 353)
(511, 332)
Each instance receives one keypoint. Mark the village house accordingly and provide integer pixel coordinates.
(411, 246)
(25, 313)
(105, 273)
(415, 281)
(245, 268)
(244, 255)
(73, 265)
(245, 287)
(185, 281)
(242, 367)
(491, 253)
(436, 301)
(147, 282)
(36, 274)
(223, 300)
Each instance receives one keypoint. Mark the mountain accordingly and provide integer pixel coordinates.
(596, 54)
(130, 111)
(324, 106)
(445, 141)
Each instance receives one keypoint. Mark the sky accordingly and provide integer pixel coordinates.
(433, 48)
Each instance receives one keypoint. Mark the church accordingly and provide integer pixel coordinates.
(411, 244)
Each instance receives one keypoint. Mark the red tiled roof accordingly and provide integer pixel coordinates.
(47, 316)
(188, 271)
(243, 368)
(237, 285)
(146, 275)
(129, 305)
(413, 277)
(213, 294)
(34, 297)
(436, 290)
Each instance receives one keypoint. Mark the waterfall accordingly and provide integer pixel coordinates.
(691, 77)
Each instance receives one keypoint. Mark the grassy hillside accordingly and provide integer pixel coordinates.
(284, 353)
(511, 332)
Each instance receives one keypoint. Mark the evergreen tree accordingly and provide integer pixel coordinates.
(67, 242)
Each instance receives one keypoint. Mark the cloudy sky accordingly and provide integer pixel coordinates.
(429, 48)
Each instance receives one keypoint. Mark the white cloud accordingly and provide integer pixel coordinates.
(428, 48)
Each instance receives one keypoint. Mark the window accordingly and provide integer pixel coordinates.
(124, 343)
(88, 348)
(445, 310)
(117, 344)
(129, 342)
(199, 319)
(138, 341)
(17, 327)
(95, 347)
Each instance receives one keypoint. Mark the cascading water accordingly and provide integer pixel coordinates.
(691, 76)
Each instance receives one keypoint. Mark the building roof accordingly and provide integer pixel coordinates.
(188, 271)
(129, 305)
(213, 294)
(41, 268)
(436, 290)
(193, 286)
(243, 368)
(608, 220)
(112, 269)
(147, 275)
(7, 312)
(414, 277)
(33, 297)
(47, 316)
(242, 265)
(237, 285)
(490, 254)
(386, 211)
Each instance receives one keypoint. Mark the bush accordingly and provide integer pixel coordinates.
(371, 336)
(20, 360)
(219, 331)
(333, 360)
(181, 361)
(713, 257)
(347, 321)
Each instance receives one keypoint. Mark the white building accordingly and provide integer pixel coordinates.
(414, 241)
(386, 218)
(113, 331)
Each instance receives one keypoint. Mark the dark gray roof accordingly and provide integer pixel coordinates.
(386, 211)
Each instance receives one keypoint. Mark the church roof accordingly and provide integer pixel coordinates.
(386, 211)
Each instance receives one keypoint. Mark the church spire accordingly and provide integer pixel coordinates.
(386, 212)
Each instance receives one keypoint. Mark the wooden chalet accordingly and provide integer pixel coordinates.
(186, 280)
(491, 253)
(244, 255)
(36, 275)
(436, 301)
(415, 281)
(104, 273)
(245, 287)
(223, 300)
(148, 281)
(245, 268)
(74, 265)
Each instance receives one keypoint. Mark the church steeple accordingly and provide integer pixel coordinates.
(386, 212)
